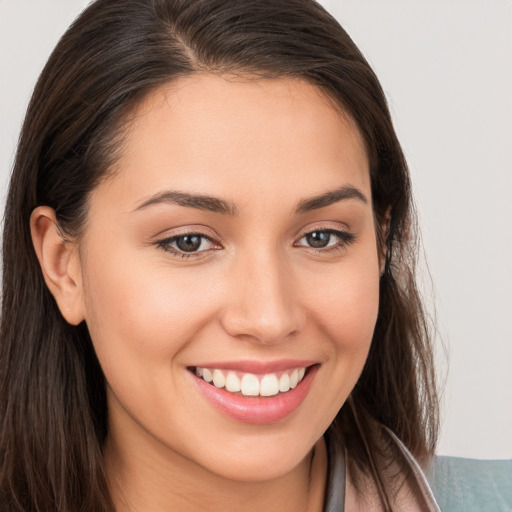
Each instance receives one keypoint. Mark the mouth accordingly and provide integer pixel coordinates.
(251, 384)
(255, 396)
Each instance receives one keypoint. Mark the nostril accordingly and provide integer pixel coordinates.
(265, 330)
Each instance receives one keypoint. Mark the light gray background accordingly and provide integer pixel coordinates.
(446, 67)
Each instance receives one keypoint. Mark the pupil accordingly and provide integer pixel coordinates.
(188, 243)
(318, 239)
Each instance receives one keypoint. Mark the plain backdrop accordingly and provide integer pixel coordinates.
(446, 68)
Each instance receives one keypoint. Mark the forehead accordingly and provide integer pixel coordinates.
(202, 130)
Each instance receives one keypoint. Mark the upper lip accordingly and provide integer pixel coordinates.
(258, 367)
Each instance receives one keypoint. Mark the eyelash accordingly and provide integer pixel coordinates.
(345, 239)
(167, 247)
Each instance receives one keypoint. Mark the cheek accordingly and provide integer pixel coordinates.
(346, 312)
(346, 306)
(140, 319)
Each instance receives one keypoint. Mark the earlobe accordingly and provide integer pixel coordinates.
(60, 263)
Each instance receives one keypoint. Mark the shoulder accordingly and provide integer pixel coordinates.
(400, 479)
(362, 492)
(471, 484)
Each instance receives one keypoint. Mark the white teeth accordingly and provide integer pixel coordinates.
(284, 383)
(233, 383)
(294, 379)
(207, 375)
(269, 385)
(219, 381)
(250, 384)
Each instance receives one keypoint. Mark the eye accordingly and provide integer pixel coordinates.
(325, 239)
(188, 244)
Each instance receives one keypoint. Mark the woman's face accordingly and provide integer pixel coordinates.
(235, 241)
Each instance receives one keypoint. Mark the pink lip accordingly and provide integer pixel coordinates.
(259, 367)
(257, 410)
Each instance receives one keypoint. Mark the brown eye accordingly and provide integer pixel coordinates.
(326, 239)
(318, 239)
(188, 243)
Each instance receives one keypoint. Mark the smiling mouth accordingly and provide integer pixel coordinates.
(250, 384)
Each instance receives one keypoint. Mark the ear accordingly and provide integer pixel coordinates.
(384, 229)
(60, 263)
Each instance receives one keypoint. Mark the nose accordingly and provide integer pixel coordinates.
(263, 304)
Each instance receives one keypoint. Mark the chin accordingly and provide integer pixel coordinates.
(259, 459)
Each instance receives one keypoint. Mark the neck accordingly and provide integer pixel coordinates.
(163, 481)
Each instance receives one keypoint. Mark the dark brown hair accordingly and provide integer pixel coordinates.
(52, 390)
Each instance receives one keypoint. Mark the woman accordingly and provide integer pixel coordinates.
(208, 295)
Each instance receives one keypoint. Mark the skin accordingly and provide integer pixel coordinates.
(256, 289)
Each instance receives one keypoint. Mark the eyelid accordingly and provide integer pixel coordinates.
(323, 226)
(166, 238)
(192, 229)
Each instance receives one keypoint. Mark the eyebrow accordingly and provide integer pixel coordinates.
(216, 205)
(200, 202)
(329, 198)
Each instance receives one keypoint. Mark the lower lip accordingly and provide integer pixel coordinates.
(257, 410)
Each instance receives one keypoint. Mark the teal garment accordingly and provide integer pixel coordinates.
(471, 485)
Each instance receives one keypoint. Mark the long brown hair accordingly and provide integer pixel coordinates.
(52, 390)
